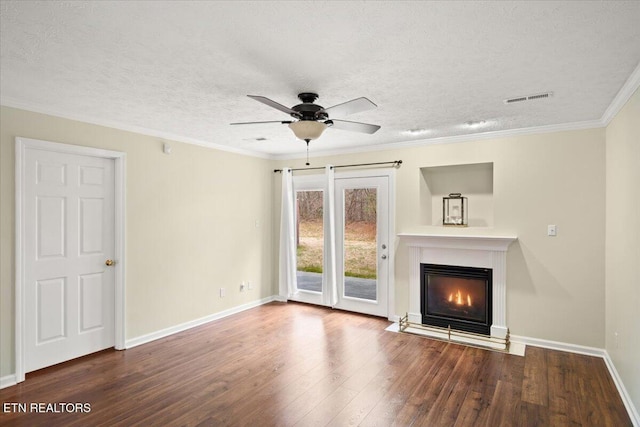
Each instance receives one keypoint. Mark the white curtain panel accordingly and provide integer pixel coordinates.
(330, 279)
(287, 266)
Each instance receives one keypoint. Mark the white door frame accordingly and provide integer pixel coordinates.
(119, 158)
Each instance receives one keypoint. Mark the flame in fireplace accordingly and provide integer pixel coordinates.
(458, 299)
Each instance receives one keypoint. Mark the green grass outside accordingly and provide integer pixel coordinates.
(360, 249)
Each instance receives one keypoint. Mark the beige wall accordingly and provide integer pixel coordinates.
(623, 245)
(190, 225)
(555, 285)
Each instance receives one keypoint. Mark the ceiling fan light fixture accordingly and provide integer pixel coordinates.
(307, 129)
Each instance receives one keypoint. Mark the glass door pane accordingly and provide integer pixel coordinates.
(309, 239)
(360, 243)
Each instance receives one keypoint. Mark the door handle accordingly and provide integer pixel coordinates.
(109, 262)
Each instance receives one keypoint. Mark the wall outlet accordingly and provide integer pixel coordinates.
(552, 230)
(242, 286)
(222, 292)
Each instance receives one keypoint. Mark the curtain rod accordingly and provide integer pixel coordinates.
(395, 163)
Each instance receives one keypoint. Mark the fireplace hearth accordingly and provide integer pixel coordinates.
(456, 297)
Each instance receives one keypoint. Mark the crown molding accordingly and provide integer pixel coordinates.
(506, 133)
(624, 94)
(35, 108)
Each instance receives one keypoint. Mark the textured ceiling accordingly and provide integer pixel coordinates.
(182, 69)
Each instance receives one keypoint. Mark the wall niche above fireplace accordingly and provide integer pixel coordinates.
(474, 181)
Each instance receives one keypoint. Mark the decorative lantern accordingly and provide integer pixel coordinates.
(454, 210)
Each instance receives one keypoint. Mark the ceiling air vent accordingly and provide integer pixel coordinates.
(528, 97)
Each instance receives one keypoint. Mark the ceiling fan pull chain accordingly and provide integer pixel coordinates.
(307, 141)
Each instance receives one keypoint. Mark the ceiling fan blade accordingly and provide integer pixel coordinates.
(350, 107)
(274, 104)
(286, 122)
(352, 126)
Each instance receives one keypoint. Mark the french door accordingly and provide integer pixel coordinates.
(362, 244)
(311, 272)
(361, 207)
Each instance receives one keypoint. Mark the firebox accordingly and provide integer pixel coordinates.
(456, 297)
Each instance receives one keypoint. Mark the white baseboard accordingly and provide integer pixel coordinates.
(589, 351)
(560, 346)
(133, 342)
(626, 399)
(8, 381)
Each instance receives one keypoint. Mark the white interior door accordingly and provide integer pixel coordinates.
(362, 244)
(68, 216)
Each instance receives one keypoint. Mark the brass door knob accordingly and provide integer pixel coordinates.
(109, 262)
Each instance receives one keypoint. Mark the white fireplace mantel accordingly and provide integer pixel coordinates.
(458, 241)
(482, 251)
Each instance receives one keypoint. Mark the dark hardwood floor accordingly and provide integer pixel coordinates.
(295, 364)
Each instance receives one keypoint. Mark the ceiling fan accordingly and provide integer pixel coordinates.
(312, 119)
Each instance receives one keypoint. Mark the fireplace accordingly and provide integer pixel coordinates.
(478, 252)
(456, 297)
